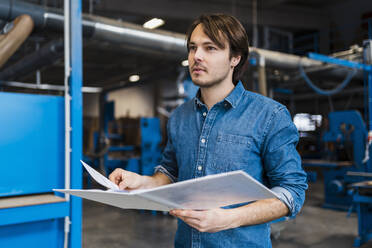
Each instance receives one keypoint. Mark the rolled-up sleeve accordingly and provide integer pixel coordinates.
(168, 163)
(282, 162)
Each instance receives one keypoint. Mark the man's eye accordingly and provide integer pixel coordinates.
(192, 48)
(211, 48)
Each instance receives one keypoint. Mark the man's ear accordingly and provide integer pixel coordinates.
(235, 60)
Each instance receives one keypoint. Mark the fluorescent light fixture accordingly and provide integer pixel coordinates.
(153, 23)
(134, 78)
(185, 63)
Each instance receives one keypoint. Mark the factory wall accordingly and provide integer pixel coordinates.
(131, 102)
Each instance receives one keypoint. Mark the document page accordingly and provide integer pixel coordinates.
(125, 200)
(207, 192)
(99, 178)
(211, 191)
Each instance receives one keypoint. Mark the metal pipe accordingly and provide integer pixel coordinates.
(47, 87)
(46, 55)
(76, 80)
(135, 36)
(359, 174)
(262, 86)
(67, 40)
(20, 29)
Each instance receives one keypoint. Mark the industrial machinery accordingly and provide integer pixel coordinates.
(345, 151)
(362, 199)
(40, 149)
(32, 164)
(140, 155)
(348, 138)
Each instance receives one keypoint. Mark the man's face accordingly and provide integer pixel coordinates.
(209, 65)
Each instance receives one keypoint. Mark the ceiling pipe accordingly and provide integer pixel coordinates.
(13, 38)
(135, 36)
(46, 55)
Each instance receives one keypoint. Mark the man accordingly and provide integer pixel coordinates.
(226, 128)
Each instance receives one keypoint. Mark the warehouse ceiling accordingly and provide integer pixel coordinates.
(106, 64)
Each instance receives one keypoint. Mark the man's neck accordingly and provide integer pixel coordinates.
(212, 95)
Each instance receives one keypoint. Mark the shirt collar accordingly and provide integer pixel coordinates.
(197, 101)
(235, 95)
(233, 98)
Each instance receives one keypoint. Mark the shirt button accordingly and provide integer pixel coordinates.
(200, 168)
(204, 114)
(203, 141)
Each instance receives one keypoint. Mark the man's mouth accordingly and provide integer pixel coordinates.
(198, 69)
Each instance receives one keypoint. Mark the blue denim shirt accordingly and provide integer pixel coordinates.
(245, 131)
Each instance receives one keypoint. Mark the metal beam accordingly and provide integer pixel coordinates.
(76, 120)
(47, 87)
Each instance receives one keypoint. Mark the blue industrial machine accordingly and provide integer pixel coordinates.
(345, 147)
(33, 148)
(362, 199)
(349, 130)
(32, 164)
(149, 150)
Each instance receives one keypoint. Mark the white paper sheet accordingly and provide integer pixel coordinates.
(99, 178)
(201, 193)
(119, 199)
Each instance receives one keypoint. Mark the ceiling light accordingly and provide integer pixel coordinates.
(153, 23)
(134, 78)
(185, 63)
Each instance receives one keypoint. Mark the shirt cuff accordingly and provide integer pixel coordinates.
(286, 197)
(161, 169)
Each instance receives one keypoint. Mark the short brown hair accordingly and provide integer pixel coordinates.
(221, 27)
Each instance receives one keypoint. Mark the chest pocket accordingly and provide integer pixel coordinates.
(231, 152)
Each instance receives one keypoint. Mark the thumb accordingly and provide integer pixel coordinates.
(126, 180)
(123, 185)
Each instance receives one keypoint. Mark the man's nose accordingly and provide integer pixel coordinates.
(199, 55)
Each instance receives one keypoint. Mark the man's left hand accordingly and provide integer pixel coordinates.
(211, 221)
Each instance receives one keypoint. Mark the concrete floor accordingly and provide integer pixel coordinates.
(314, 227)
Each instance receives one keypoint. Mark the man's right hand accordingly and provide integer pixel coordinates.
(127, 180)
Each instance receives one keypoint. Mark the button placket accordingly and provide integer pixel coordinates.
(206, 129)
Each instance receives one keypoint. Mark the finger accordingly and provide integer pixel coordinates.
(115, 176)
(128, 180)
(191, 222)
(190, 213)
(187, 219)
(124, 184)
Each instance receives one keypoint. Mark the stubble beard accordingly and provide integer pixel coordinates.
(209, 84)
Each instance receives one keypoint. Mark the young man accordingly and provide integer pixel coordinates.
(226, 128)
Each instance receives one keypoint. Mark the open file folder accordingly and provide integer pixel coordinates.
(207, 192)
